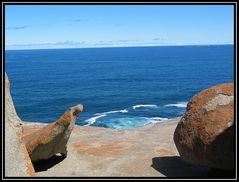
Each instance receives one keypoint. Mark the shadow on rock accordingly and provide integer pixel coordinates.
(173, 166)
(220, 173)
(44, 165)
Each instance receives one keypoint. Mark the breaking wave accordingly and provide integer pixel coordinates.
(179, 105)
(156, 119)
(145, 105)
(100, 115)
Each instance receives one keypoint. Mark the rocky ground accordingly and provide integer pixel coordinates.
(102, 152)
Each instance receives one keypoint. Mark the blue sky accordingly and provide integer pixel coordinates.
(70, 26)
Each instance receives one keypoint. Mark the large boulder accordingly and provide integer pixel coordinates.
(52, 138)
(17, 161)
(205, 134)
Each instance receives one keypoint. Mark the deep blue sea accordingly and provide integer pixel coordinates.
(120, 88)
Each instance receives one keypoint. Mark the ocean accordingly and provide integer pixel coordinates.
(120, 88)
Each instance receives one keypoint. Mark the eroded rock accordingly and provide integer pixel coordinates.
(52, 139)
(205, 134)
(17, 161)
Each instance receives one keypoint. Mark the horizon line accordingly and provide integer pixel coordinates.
(6, 49)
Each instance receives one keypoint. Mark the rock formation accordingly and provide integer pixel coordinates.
(147, 151)
(206, 133)
(52, 138)
(17, 161)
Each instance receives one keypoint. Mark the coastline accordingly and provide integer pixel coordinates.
(97, 151)
(36, 124)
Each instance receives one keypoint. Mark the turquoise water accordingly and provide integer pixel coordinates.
(120, 88)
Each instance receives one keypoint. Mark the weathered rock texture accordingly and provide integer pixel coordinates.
(52, 139)
(95, 151)
(17, 161)
(205, 134)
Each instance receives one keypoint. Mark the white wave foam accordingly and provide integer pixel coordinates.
(111, 112)
(100, 115)
(93, 119)
(179, 105)
(145, 105)
(156, 119)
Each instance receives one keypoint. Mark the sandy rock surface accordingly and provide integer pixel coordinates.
(95, 151)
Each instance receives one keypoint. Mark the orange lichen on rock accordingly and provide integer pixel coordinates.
(65, 119)
(52, 139)
(84, 129)
(101, 148)
(22, 150)
(17, 161)
(29, 131)
(165, 152)
(203, 136)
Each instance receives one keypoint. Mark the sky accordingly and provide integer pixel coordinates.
(80, 26)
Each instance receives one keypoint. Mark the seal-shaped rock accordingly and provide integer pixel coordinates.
(52, 138)
(205, 134)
